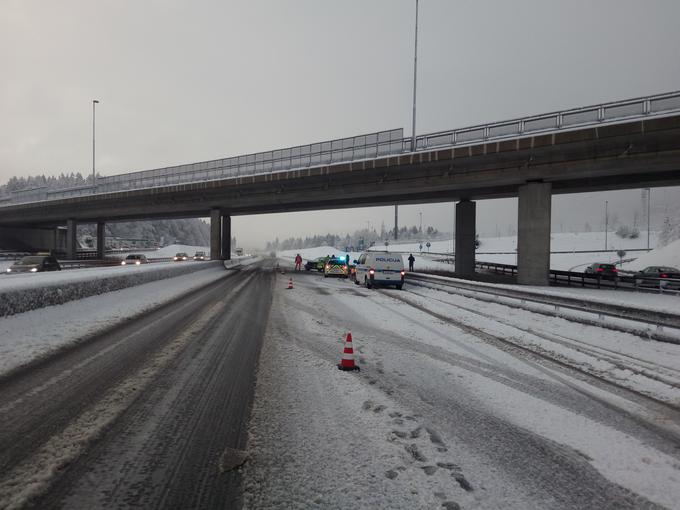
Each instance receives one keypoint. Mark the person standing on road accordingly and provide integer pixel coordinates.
(411, 260)
(298, 262)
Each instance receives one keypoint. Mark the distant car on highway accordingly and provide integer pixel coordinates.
(316, 264)
(34, 264)
(336, 267)
(179, 257)
(200, 255)
(658, 276)
(602, 270)
(380, 268)
(134, 259)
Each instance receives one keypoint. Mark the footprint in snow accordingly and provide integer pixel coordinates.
(415, 452)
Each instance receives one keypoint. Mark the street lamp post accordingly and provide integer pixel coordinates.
(94, 175)
(415, 74)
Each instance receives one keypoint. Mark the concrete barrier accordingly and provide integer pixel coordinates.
(30, 295)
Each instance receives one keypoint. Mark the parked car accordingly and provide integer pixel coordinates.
(316, 264)
(603, 270)
(200, 255)
(336, 267)
(665, 277)
(134, 259)
(380, 268)
(35, 264)
(179, 257)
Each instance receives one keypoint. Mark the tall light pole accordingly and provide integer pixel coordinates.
(94, 175)
(415, 75)
(606, 222)
(413, 125)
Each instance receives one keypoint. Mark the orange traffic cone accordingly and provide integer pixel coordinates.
(290, 283)
(347, 361)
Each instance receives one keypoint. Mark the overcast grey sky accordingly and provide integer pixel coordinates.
(184, 81)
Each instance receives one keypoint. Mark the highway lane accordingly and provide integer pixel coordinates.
(522, 432)
(152, 414)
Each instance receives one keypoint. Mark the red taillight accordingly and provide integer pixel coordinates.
(615, 270)
(664, 275)
(344, 267)
(599, 269)
(403, 273)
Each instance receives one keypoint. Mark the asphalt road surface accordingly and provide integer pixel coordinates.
(152, 414)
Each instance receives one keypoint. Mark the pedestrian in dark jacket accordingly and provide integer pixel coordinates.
(411, 260)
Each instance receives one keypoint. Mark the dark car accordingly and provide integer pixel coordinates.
(602, 270)
(35, 264)
(316, 264)
(179, 257)
(135, 259)
(665, 277)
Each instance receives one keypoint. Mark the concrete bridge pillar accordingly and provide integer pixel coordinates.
(226, 237)
(465, 237)
(215, 234)
(101, 242)
(71, 240)
(533, 241)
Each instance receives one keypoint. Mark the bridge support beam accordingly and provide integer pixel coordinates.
(215, 234)
(465, 237)
(533, 226)
(101, 242)
(226, 237)
(71, 239)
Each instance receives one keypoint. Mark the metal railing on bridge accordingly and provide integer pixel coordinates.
(357, 148)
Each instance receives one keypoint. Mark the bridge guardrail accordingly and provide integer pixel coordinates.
(374, 145)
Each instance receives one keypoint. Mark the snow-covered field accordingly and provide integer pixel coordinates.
(666, 256)
(569, 242)
(445, 414)
(33, 334)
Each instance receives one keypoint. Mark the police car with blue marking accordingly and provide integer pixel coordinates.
(380, 268)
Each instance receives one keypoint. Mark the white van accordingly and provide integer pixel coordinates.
(380, 268)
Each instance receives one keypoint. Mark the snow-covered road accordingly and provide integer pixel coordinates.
(446, 412)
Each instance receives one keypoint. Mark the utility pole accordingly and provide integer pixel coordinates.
(649, 208)
(606, 222)
(94, 174)
(396, 222)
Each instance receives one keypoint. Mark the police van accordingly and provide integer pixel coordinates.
(380, 268)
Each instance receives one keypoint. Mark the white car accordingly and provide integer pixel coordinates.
(380, 268)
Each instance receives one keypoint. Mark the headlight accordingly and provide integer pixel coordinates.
(138, 262)
(9, 269)
(34, 270)
(123, 263)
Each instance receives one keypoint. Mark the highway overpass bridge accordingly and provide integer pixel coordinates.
(626, 144)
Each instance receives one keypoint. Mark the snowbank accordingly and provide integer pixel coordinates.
(21, 293)
(34, 334)
(667, 256)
